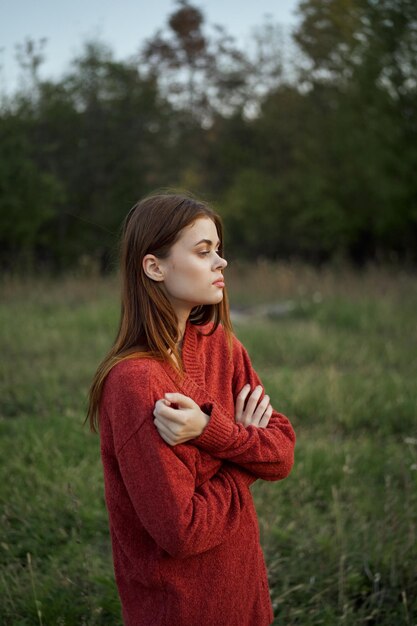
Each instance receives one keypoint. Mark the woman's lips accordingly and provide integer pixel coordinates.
(219, 283)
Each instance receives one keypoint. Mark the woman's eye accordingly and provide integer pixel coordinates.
(206, 252)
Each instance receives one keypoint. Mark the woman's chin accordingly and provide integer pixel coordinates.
(213, 300)
(219, 298)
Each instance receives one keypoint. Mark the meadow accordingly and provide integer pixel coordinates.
(336, 350)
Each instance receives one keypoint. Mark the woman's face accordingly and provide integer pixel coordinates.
(193, 271)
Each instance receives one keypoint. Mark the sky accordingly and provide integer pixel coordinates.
(123, 25)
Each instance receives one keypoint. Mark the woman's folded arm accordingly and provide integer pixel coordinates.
(268, 452)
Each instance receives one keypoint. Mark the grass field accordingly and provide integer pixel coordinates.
(339, 535)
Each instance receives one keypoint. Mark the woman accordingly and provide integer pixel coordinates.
(185, 429)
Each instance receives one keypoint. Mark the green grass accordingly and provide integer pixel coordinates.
(339, 535)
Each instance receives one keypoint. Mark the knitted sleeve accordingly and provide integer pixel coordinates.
(268, 453)
(182, 519)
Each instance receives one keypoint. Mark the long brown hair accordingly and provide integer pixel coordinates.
(148, 324)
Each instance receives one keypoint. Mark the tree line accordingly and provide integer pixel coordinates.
(306, 145)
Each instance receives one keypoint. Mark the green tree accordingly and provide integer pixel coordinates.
(199, 71)
(106, 134)
(362, 56)
(28, 197)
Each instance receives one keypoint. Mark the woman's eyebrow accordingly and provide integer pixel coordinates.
(208, 241)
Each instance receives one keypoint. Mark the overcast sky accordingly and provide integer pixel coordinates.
(123, 25)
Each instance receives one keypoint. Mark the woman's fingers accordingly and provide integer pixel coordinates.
(240, 402)
(260, 410)
(266, 417)
(252, 410)
(178, 418)
(170, 432)
(183, 402)
(164, 431)
(164, 409)
(251, 405)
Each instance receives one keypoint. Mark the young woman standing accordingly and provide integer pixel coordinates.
(185, 429)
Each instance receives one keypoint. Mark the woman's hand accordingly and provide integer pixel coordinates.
(254, 413)
(177, 425)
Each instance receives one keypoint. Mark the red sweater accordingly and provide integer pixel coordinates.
(184, 530)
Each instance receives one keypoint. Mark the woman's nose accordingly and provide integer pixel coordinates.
(220, 262)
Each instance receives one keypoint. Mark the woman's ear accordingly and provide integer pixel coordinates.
(152, 267)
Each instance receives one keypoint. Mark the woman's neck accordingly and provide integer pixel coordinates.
(179, 345)
(182, 317)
